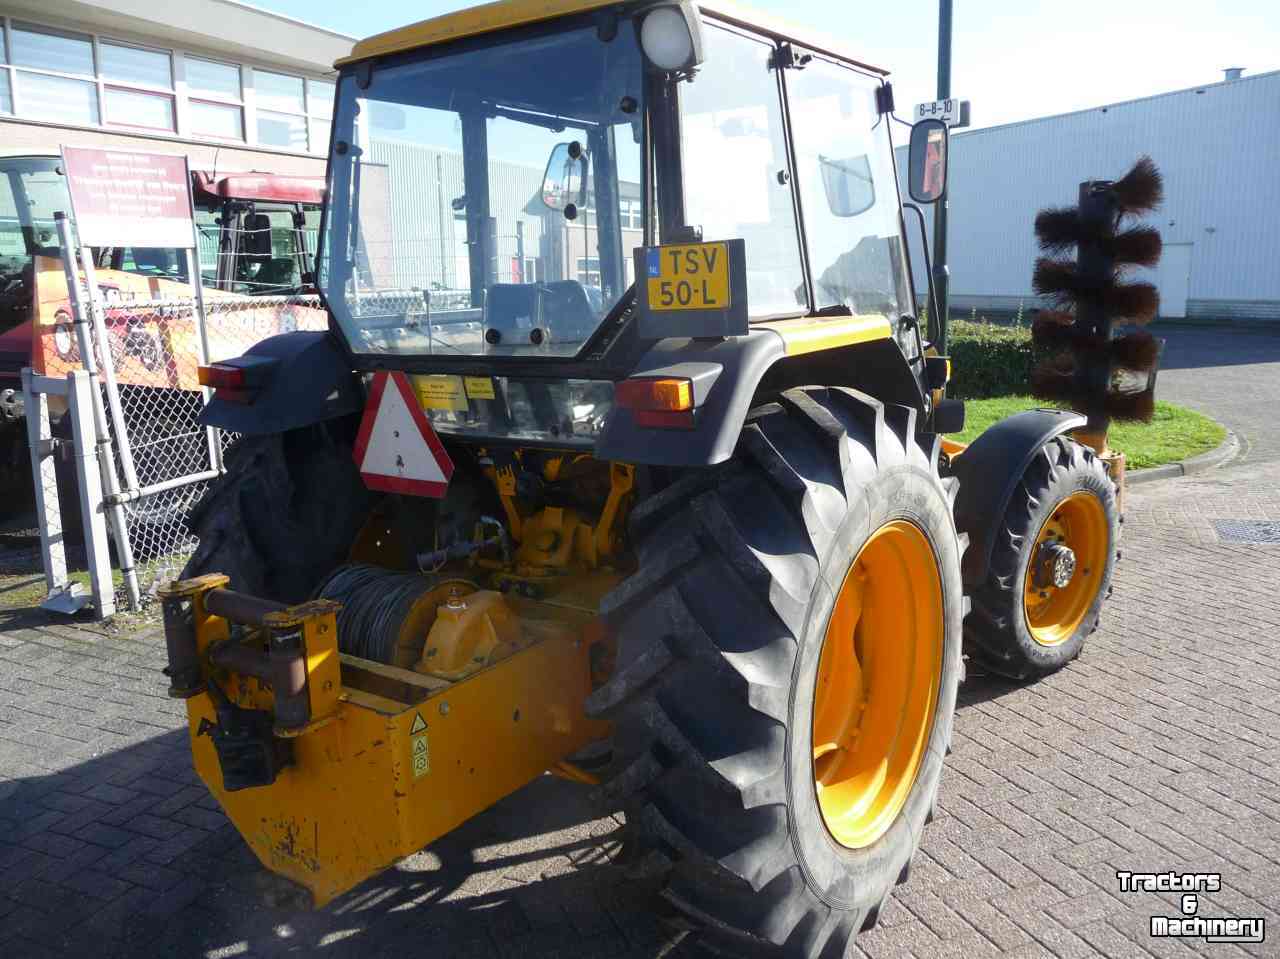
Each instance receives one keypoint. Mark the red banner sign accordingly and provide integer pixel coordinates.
(121, 198)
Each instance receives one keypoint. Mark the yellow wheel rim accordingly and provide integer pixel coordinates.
(1054, 612)
(877, 685)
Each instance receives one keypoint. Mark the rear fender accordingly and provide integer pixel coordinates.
(732, 375)
(311, 381)
(990, 469)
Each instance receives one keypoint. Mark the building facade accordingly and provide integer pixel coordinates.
(232, 87)
(1217, 146)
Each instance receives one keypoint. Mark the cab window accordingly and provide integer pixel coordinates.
(736, 181)
(848, 192)
(31, 190)
(269, 251)
(208, 229)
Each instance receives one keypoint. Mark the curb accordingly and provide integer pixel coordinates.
(1227, 450)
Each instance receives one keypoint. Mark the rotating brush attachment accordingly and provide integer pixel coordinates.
(1137, 246)
(1131, 393)
(1141, 190)
(1138, 350)
(1135, 302)
(1088, 370)
(1052, 328)
(1058, 228)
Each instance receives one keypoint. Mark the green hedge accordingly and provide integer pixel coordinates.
(989, 359)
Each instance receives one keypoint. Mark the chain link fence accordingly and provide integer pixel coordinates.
(166, 459)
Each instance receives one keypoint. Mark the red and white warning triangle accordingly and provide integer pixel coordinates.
(396, 450)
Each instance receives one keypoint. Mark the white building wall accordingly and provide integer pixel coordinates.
(1218, 147)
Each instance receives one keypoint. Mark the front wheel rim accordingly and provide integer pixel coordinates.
(878, 682)
(1054, 613)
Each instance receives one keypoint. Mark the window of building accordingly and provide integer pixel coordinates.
(282, 110)
(589, 270)
(320, 113)
(135, 66)
(133, 108)
(138, 88)
(216, 99)
(57, 98)
(49, 84)
(632, 218)
(60, 76)
(41, 49)
(293, 113)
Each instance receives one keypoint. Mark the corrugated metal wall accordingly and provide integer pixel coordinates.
(424, 182)
(1218, 147)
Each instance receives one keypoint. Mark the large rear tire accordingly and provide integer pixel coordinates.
(283, 515)
(754, 702)
(1062, 519)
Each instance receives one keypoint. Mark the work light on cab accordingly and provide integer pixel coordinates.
(671, 37)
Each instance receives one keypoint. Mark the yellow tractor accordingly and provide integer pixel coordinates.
(633, 278)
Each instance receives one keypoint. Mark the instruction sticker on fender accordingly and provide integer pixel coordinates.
(693, 276)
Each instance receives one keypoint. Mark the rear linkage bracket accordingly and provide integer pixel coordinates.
(249, 752)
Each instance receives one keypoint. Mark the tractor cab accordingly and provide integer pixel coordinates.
(486, 209)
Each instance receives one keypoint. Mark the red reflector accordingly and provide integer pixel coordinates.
(665, 419)
(229, 395)
(221, 377)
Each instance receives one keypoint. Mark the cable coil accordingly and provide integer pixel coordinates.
(377, 604)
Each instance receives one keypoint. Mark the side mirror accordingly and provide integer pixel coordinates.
(255, 239)
(565, 181)
(927, 161)
(848, 184)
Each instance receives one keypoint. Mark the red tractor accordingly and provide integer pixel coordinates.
(257, 244)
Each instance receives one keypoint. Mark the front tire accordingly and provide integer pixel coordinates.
(734, 641)
(1026, 623)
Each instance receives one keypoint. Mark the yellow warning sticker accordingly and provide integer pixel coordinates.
(439, 392)
(478, 387)
(421, 760)
(419, 754)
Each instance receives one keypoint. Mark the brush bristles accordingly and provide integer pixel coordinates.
(1052, 328)
(1139, 246)
(1137, 351)
(1054, 378)
(1058, 228)
(1141, 189)
(1135, 302)
(1139, 407)
(1059, 280)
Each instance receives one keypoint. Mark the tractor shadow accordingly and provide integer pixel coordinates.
(980, 687)
(538, 874)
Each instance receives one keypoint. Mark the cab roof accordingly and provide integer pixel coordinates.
(504, 14)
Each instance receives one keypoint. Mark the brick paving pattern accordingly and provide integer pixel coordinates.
(1159, 749)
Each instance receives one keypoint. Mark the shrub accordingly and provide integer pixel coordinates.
(989, 359)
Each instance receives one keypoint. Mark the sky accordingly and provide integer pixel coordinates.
(1012, 59)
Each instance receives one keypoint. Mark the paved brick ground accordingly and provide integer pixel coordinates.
(1233, 374)
(1160, 749)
